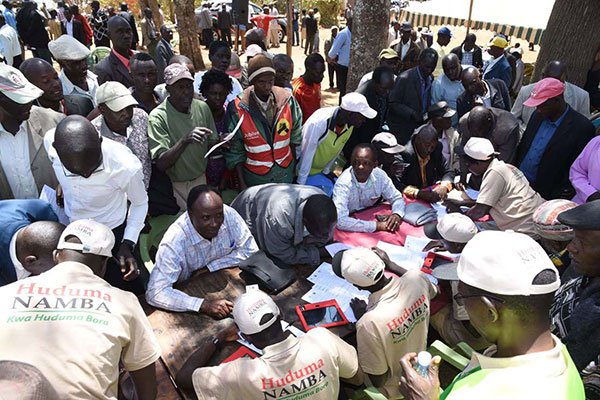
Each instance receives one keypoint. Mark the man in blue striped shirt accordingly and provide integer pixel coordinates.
(209, 235)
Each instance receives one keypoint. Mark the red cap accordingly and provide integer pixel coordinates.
(545, 89)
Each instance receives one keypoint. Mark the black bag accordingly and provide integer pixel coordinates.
(271, 275)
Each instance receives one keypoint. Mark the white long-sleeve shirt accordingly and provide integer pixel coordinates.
(314, 132)
(349, 195)
(104, 195)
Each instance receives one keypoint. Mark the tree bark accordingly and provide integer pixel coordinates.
(369, 35)
(189, 44)
(571, 36)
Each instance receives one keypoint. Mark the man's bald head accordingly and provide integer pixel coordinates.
(115, 22)
(35, 245)
(480, 121)
(183, 60)
(471, 81)
(451, 66)
(555, 69)
(78, 145)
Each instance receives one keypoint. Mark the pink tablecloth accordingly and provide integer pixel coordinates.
(371, 239)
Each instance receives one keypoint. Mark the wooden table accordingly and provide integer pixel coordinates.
(179, 334)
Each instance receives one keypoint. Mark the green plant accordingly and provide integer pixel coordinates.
(329, 10)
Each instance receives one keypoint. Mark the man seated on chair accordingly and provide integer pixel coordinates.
(382, 339)
(209, 235)
(507, 285)
(364, 185)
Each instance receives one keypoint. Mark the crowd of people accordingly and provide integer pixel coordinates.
(91, 154)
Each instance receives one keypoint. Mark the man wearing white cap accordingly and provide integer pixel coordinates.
(451, 232)
(507, 284)
(72, 56)
(389, 158)
(79, 308)
(101, 180)
(362, 186)
(505, 192)
(181, 130)
(123, 122)
(308, 367)
(24, 165)
(395, 319)
(324, 136)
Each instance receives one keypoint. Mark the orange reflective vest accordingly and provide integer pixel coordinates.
(260, 155)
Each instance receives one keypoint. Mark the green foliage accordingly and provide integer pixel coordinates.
(329, 10)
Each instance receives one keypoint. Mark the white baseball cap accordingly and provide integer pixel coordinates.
(66, 47)
(250, 308)
(115, 95)
(95, 238)
(359, 266)
(454, 227)
(505, 263)
(479, 149)
(387, 142)
(16, 87)
(356, 102)
(253, 50)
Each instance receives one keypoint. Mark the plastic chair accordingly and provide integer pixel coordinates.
(158, 227)
(97, 55)
(437, 348)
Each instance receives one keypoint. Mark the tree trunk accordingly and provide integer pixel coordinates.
(369, 35)
(571, 36)
(189, 44)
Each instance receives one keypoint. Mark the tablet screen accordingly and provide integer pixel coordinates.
(321, 316)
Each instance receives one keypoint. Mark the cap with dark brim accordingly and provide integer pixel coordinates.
(431, 231)
(446, 272)
(585, 217)
(336, 263)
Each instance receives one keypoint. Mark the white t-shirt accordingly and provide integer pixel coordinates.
(75, 327)
(396, 323)
(308, 367)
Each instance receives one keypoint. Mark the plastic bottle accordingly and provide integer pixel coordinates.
(422, 364)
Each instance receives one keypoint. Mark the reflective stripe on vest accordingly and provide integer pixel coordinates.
(260, 156)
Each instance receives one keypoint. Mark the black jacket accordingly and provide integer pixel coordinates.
(31, 27)
(437, 169)
(370, 127)
(477, 55)
(571, 136)
(405, 100)
(499, 95)
(78, 32)
(112, 69)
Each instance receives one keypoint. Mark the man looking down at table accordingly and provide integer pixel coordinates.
(308, 367)
(209, 235)
(382, 339)
(505, 192)
(507, 283)
(85, 326)
(361, 186)
(290, 222)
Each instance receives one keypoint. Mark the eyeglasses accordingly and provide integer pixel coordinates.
(459, 298)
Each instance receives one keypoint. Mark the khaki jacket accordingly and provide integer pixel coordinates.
(40, 121)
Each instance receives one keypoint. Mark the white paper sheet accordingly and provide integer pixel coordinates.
(226, 138)
(336, 247)
(416, 244)
(402, 256)
(328, 286)
(49, 195)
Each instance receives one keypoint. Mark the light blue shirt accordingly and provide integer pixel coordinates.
(9, 18)
(443, 89)
(341, 47)
(183, 251)
(530, 164)
(349, 195)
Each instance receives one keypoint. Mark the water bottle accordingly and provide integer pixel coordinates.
(422, 364)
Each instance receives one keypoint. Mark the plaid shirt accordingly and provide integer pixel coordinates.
(100, 25)
(183, 251)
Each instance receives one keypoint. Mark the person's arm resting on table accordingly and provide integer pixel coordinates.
(394, 197)
(161, 294)
(345, 221)
(245, 245)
